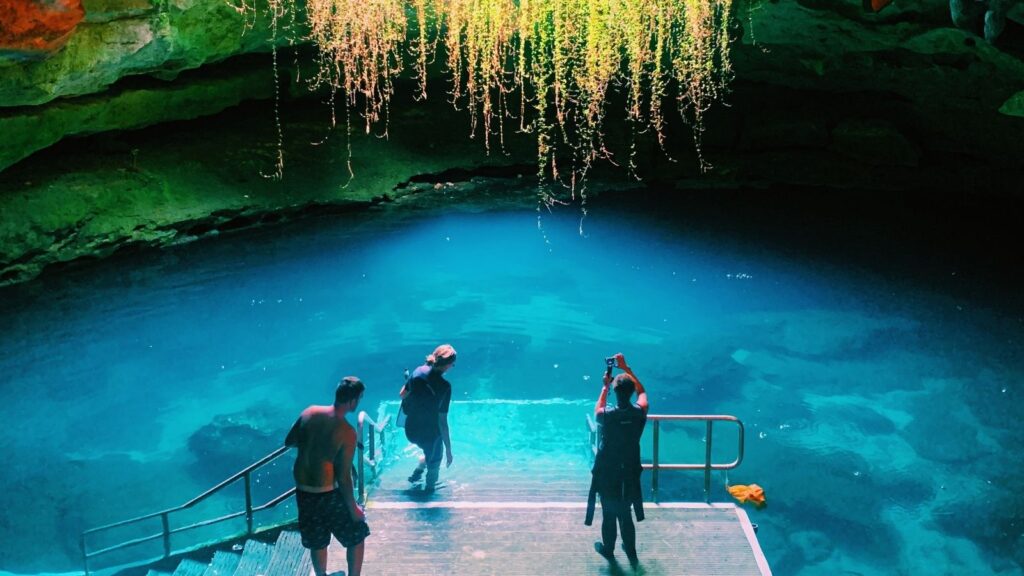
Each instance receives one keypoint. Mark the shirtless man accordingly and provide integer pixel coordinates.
(323, 478)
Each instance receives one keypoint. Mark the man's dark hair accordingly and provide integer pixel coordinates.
(623, 385)
(348, 389)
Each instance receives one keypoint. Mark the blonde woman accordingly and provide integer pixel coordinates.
(427, 396)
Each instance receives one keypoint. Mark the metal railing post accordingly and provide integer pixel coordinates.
(85, 556)
(167, 534)
(248, 502)
(373, 447)
(250, 510)
(707, 464)
(164, 515)
(361, 480)
(654, 471)
(657, 465)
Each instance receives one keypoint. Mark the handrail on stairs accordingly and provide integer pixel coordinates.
(380, 428)
(655, 466)
(245, 474)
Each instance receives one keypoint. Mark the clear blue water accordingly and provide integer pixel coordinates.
(879, 385)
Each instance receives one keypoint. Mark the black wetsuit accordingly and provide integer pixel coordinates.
(616, 475)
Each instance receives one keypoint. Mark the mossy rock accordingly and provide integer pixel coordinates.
(1014, 105)
(120, 39)
(39, 127)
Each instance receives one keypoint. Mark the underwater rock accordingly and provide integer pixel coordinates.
(944, 429)
(832, 490)
(231, 442)
(813, 546)
(35, 29)
(828, 333)
(44, 513)
(988, 516)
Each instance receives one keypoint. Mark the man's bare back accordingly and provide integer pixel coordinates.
(325, 441)
(323, 478)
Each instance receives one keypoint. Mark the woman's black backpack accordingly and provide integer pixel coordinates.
(416, 408)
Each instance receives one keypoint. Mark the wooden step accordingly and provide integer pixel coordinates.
(255, 558)
(290, 558)
(223, 564)
(188, 567)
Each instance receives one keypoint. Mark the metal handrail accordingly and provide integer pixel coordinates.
(250, 510)
(380, 428)
(655, 466)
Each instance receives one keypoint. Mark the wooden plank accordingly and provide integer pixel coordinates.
(189, 567)
(255, 558)
(290, 558)
(223, 564)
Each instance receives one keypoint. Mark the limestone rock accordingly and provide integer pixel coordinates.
(132, 37)
(35, 29)
(42, 126)
(874, 141)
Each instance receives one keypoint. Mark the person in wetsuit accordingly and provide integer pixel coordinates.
(617, 468)
(426, 397)
(323, 478)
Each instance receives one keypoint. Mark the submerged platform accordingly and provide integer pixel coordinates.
(514, 502)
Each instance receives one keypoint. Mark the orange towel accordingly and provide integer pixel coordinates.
(752, 493)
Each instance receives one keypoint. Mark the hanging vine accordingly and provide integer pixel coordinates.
(546, 67)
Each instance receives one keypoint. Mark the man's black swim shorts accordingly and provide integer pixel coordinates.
(325, 513)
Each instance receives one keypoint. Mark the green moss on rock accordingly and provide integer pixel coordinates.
(1014, 105)
(133, 37)
(37, 128)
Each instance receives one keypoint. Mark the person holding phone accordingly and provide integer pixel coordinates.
(617, 468)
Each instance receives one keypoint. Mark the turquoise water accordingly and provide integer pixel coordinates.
(879, 382)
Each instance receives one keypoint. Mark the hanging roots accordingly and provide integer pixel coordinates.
(546, 65)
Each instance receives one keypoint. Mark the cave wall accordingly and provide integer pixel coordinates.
(118, 68)
(897, 100)
(825, 95)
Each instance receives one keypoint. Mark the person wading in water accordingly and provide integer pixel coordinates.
(426, 397)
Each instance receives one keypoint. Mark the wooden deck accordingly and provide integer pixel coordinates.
(514, 503)
(506, 538)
